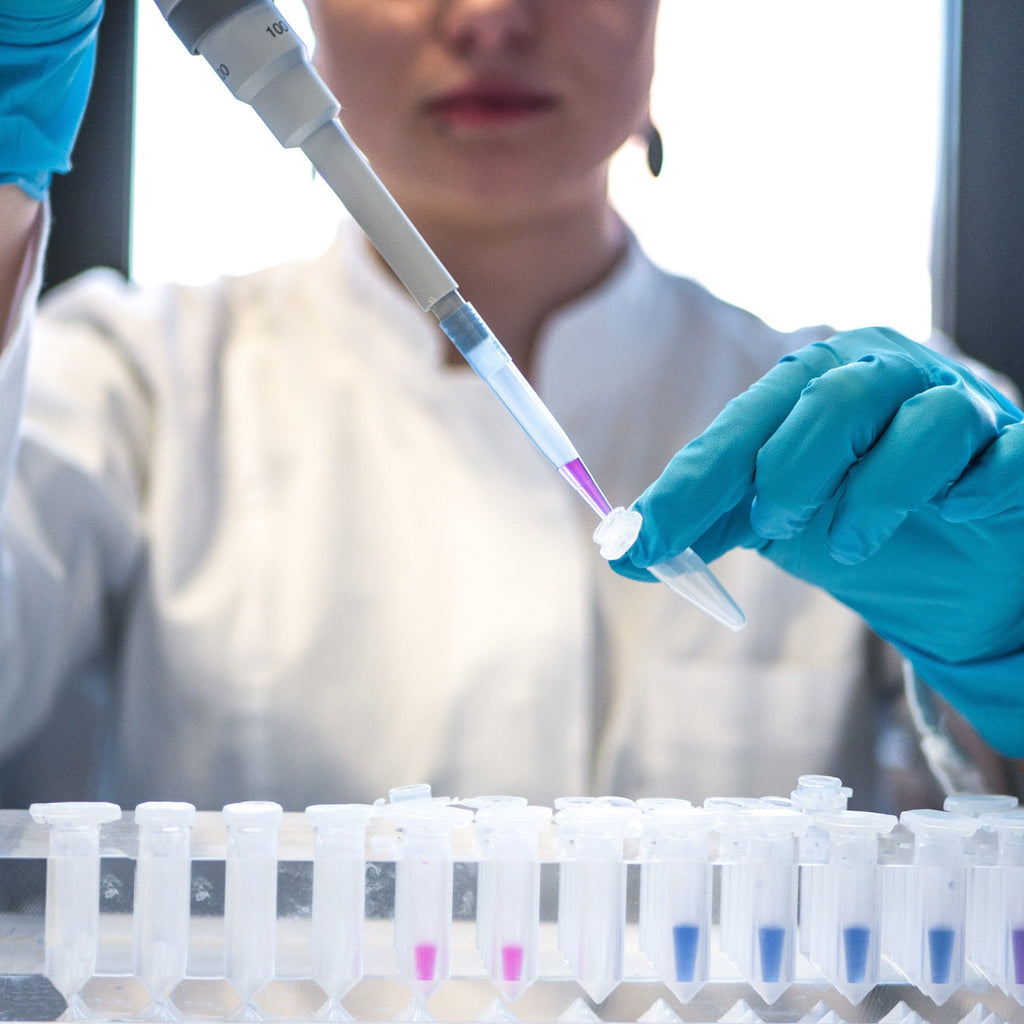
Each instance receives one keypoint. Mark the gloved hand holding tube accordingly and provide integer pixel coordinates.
(892, 477)
(47, 55)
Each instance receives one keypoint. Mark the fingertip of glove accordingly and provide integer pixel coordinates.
(624, 566)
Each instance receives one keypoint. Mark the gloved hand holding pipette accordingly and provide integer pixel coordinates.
(889, 475)
(47, 53)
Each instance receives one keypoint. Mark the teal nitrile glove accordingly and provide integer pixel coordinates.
(47, 55)
(892, 477)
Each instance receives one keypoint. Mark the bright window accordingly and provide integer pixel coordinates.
(801, 143)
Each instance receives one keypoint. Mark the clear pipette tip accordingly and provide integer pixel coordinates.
(685, 573)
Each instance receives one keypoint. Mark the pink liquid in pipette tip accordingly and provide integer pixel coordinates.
(511, 963)
(426, 961)
(579, 476)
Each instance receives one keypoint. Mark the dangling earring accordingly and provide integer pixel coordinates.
(655, 148)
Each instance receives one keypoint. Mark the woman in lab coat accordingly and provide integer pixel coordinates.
(271, 538)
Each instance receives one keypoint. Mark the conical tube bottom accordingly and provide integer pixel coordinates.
(689, 576)
(686, 574)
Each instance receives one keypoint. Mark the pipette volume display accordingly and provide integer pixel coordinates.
(259, 58)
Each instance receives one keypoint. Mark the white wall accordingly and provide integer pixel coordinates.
(801, 146)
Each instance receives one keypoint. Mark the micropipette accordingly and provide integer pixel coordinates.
(262, 62)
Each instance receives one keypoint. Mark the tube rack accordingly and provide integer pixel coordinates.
(425, 908)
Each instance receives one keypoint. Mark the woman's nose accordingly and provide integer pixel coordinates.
(488, 25)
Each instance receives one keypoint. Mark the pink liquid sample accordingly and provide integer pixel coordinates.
(511, 963)
(426, 961)
(579, 476)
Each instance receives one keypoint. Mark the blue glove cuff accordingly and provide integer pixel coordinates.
(43, 91)
(988, 693)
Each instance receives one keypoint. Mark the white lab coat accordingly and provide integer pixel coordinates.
(259, 541)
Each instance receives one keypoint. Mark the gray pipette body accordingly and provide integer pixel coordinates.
(263, 63)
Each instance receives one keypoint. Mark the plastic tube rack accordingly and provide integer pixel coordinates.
(425, 908)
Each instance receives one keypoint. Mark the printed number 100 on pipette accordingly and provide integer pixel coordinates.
(259, 58)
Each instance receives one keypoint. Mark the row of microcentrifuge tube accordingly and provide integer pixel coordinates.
(947, 909)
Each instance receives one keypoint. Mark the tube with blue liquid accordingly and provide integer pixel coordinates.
(933, 946)
(766, 941)
(844, 927)
(1000, 913)
(675, 903)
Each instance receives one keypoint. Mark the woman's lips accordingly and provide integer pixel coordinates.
(489, 105)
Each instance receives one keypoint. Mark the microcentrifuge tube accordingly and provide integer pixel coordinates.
(1000, 913)
(592, 938)
(484, 886)
(163, 887)
(983, 940)
(423, 890)
(685, 573)
(508, 888)
(250, 895)
(933, 949)
(675, 904)
(732, 846)
(845, 923)
(814, 794)
(649, 851)
(72, 894)
(339, 900)
(766, 940)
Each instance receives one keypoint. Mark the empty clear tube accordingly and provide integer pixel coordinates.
(72, 894)
(339, 899)
(163, 885)
(508, 893)
(250, 895)
(593, 873)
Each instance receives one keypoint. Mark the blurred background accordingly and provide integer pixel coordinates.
(852, 162)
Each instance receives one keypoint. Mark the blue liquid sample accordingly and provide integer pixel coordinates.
(940, 954)
(772, 941)
(855, 944)
(684, 942)
(1017, 939)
